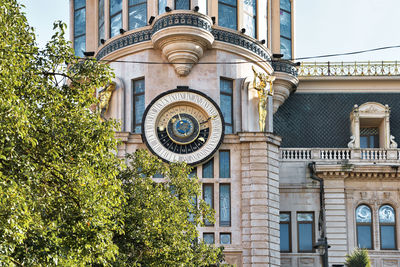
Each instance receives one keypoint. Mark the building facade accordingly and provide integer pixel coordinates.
(185, 89)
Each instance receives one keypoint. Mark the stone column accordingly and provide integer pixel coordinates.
(260, 199)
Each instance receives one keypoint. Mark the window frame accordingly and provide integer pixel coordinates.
(103, 24)
(225, 233)
(111, 16)
(144, 2)
(190, 5)
(212, 169)
(291, 30)
(211, 185)
(84, 33)
(289, 228)
(231, 96)
(209, 233)
(219, 163)
(225, 223)
(312, 231)
(254, 18)
(387, 224)
(371, 225)
(134, 125)
(237, 11)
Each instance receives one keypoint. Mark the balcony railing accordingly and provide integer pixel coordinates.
(369, 68)
(338, 154)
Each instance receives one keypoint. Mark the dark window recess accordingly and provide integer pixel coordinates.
(369, 137)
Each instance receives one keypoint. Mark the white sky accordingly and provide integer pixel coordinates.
(321, 26)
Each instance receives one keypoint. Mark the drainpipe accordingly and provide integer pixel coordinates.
(322, 240)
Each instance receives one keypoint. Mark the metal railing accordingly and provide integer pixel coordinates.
(368, 68)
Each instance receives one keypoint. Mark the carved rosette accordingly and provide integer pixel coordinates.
(184, 45)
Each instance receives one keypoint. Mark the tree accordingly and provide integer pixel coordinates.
(60, 197)
(161, 217)
(359, 258)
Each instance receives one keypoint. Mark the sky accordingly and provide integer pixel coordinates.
(321, 26)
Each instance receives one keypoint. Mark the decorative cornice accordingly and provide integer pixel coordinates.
(358, 171)
(185, 19)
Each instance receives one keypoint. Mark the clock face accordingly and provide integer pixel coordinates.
(183, 125)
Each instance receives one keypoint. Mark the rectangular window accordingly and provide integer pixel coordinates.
(193, 172)
(249, 17)
(161, 6)
(286, 28)
(182, 4)
(79, 27)
(101, 27)
(369, 138)
(194, 204)
(208, 238)
(226, 103)
(138, 109)
(285, 233)
(225, 205)
(305, 230)
(224, 164)
(115, 17)
(208, 169)
(225, 238)
(208, 197)
(137, 14)
(227, 14)
(388, 236)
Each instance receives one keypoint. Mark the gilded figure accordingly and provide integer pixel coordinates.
(260, 83)
(104, 99)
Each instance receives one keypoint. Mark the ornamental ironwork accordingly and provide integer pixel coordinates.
(369, 68)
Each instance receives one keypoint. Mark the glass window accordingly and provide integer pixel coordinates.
(364, 227)
(226, 103)
(225, 238)
(203, 6)
(137, 14)
(224, 164)
(194, 204)
(208, 238)
(249, 19)
(208, 197)
(182, 4)
(161, 6)
(115, 17)
(227, 14)
(286, 28)
(138, 100)
(305, 230)
(387, 227)
(79, 27)
(225, 205)
(208, 169)
(369, 137)
(101, 30)
(284, 227)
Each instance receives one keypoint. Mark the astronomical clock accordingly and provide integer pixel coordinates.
(183, 125)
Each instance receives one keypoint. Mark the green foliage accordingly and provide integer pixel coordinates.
(60, 197)
(359, 258)
(161, 217)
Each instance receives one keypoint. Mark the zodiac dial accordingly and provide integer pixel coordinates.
(183, 125)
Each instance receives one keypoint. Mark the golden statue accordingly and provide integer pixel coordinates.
(104, 99)
(263, 93)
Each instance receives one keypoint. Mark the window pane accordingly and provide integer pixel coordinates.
(182, 4)
(285, 239)
(101, 12)
(363, 141)
(193, 172)
(388, 234)
(285, 25)
(137, 16)
(80, 22)
(208, 169)
(250, 25)
(228, 129)
(208, 196)
(115, 6)
(225, 239)
(285, 4)
(363, 214)
(138, 86)
(161, 6)
(227, 16)
(226, 108)
(203, 6)
(225, 204)
(116, 24)
(284, 217)
(226, 86)
(386, 214)
(286, 48)
(194, 204)
(229, 2)
(305, 217)
(139, 109)
(305, 237)
(135, 2)
(79, 3)
(224, 164)
(80, 46)
(364, 236)
(208, 238)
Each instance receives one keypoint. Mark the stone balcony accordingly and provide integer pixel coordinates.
(335, 155)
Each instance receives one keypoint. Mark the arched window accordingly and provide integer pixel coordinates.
(387, 227)
(364, 226)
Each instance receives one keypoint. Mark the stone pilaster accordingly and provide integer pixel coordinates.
(260, 199)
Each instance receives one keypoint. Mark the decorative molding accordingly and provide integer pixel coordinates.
(285, 66)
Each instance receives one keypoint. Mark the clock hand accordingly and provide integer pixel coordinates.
(208, 119)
